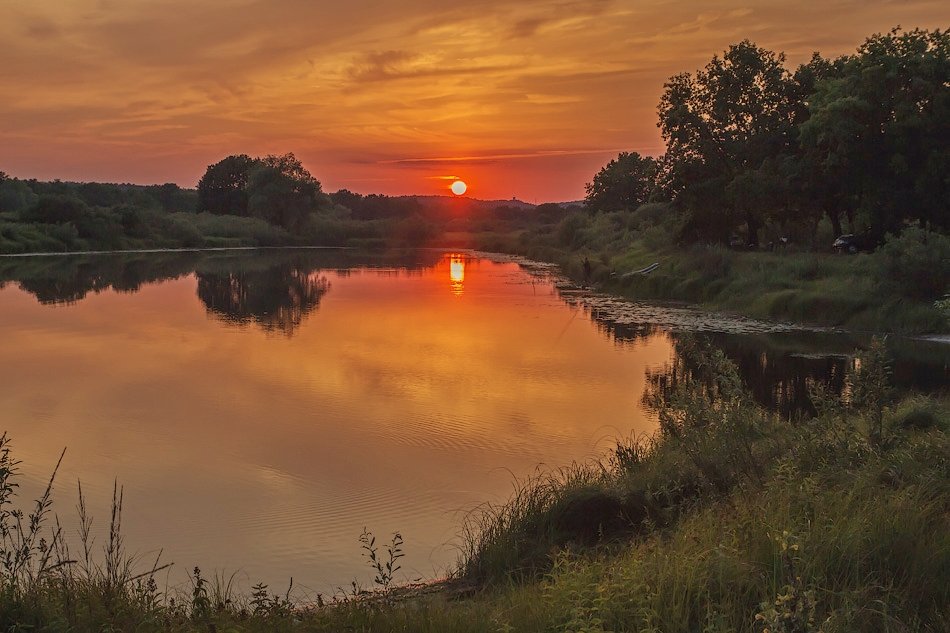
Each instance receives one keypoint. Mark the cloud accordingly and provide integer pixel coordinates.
(91, 86)
(397, 64)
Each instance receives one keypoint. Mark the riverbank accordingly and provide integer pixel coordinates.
(730, 519)
(871, 292)
(892, 289)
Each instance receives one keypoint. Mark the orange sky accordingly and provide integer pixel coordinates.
(523, 99)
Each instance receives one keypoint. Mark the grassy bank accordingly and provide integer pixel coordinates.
(892, 289)
(729, 519)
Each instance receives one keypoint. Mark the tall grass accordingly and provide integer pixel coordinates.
(748, 522)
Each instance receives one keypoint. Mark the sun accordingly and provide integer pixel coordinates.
(459, 187)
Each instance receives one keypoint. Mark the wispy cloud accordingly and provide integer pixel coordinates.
(155, 90)
(495, 157)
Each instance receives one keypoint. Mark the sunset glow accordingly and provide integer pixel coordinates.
(459, 187)
(531, 98)
(457, 274)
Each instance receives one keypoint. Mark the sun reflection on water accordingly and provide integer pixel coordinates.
(457, 274)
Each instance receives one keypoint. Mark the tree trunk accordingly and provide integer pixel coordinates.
(753, 229)
(835, 216)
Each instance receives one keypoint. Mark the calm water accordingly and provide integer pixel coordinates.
(261, 408)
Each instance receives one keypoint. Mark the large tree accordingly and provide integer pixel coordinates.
(720, 125)
(278, 189)
(223, 188)
(878, 133)
(282, 191)
(625, 182)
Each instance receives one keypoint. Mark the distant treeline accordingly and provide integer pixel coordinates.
(240, 201)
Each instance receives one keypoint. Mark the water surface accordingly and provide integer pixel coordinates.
(261, 408)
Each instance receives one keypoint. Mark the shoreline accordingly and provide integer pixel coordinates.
(619, 305)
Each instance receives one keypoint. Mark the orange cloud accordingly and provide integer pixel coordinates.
(155, 90)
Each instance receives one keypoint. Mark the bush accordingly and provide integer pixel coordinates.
(915, 264)
(569, 228)
(56, 209)
(184, 232)
(16, 196)
(916, 413)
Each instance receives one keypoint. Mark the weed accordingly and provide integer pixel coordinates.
(385, 569)
(869, 387)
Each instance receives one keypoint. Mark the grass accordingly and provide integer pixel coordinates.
(853, 292)
(884, 291)
(729, 519)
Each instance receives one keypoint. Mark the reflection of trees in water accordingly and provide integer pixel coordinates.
(778, 382)
(622, 332)
(68, 279)
(276, 299)
(780, 379)
(780, 369)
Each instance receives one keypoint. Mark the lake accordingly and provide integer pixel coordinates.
(260, 408)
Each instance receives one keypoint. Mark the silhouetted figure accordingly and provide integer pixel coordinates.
(586, 271)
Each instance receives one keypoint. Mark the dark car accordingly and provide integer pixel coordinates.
(849, 243)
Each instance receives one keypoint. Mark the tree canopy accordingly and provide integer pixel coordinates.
(223, 188)
(278, 189)
(879, 131)
(720, 127)
(624, 183)
(862, 139)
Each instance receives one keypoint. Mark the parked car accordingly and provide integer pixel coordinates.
(848, 243)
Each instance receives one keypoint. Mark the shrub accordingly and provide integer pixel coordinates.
(569, 228)
(56, 209)
(915, 264)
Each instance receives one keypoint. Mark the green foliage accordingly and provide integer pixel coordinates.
(569, 229)
(278, 189)
(703, 408)
(624, 183)
(414, 231)
(281, 191)
(223, 187)
(917, 413)
(857, 138)
(15, 195)
(720, 128)
(56, 209)
(915, 263)
(875, 137)
(869, 387)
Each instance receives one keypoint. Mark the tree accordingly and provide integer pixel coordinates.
(57, 209)
(624, 183)
(719, 125)
(878, 131)
(282, 191)
(223, 188)
(15, 195)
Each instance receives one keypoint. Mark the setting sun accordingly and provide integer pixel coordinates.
(459, 187)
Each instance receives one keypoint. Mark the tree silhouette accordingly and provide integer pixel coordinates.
(624, 183)
(223, 188)
(720, 124)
